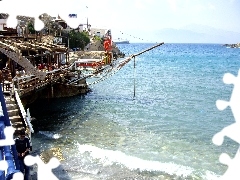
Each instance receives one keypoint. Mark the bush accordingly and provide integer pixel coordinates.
(78, 39)
(31, 28)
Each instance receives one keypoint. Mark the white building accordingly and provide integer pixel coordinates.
(2, 24)
(98, 32)
(82, 27)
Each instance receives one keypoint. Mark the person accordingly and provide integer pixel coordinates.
(107, 44)
(23, 147)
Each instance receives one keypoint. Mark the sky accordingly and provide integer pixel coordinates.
(140, 18)
(135, 17)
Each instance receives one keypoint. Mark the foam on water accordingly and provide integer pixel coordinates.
(168, 127)
(50, 134)
(109, 157)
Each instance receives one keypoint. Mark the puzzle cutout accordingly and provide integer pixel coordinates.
(232, 131)
(45, 170)
(64, 11)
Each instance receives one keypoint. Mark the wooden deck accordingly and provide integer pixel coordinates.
(27, 84)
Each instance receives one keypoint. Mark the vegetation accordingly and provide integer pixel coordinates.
(50, 26)
(31, 29)
(78, 39)
(97, 38)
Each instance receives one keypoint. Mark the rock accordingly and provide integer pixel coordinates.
(232, 45)
(53, 152)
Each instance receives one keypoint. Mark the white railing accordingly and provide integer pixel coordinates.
(26, 115)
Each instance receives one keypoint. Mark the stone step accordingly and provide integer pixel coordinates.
(17, 124)
(11, 106)
(9, 100)
(15, 119)
(14, 112)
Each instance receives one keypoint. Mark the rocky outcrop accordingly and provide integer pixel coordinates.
(232, 45)
(95, 46)
(94, 50)
(116, 52)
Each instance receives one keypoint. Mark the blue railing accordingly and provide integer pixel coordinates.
(7, 153)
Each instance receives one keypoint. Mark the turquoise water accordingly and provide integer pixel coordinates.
(165, 131)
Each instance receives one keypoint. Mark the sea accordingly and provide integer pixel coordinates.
(149, 121)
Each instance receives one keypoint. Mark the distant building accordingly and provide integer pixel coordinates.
(19, 30)
(84, 27)
(4, 30)
(98, 32)
(61, 22)
(81, 27)
(2, 24)
(3, 20)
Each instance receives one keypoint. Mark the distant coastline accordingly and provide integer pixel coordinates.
(232, 45)
(122, 42)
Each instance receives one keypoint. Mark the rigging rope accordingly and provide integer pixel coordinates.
(113, 70)
(134, 37)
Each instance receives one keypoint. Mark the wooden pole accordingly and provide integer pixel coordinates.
(119, 66)
(134, 55)
(134, 85)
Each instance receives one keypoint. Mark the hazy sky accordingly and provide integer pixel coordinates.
(129, 15)
(157, 14)
(137, 15)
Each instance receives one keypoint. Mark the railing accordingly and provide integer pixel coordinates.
(25, 84)
(26, 116)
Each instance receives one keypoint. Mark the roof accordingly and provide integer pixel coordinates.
(13, 44)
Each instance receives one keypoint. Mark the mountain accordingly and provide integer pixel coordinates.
(196, 34)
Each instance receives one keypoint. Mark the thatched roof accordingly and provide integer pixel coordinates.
(12, 44)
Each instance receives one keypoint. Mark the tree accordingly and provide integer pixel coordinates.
(31, 28)
(50, 26)
(78, 39)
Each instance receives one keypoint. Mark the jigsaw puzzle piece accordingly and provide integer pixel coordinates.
(3, 165)
(232, 172)
(30, 160)
(18, 176)
(65, 11)
(16, 8)
(234, 102)
(11, 21)
(232, 131)
(229, 78)
(38, 24)
(221, 105)
(8, 131)
(72, 20)
(69, 13)
(44, 170)
(12, 8)
(54, 162)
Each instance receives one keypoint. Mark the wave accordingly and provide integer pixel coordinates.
(110, 157)
(50, 134)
